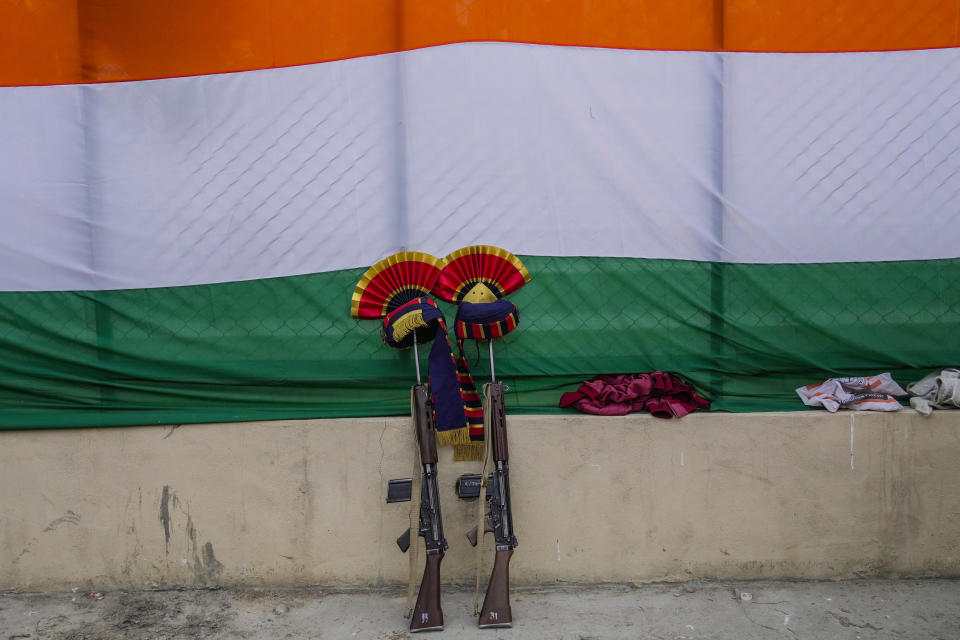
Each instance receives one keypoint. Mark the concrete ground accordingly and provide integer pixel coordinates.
(867, 609)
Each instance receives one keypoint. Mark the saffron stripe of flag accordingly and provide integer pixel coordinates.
(117, 40)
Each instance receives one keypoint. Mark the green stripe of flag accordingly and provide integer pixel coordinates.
(288, 348)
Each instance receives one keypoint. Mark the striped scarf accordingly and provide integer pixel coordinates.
(422, 317)
(478, 321)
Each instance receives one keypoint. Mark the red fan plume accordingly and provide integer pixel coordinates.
(393, 281)
(480, 273)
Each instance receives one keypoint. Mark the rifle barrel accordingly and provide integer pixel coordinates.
(490, 345)
(416, 356)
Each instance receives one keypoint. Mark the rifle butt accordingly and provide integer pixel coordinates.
(427, 614)
(496, 604)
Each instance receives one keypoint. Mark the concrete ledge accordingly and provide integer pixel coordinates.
(728, 496)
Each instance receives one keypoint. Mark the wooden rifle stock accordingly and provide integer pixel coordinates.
(427, 614)
(496, 604)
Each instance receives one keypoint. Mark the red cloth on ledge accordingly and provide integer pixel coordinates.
(662, 394)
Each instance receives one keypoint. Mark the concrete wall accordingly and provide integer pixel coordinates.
(804, 495)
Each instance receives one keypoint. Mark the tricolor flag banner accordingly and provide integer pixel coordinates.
(752, 195)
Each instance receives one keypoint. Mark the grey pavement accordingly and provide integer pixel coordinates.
(861, 609)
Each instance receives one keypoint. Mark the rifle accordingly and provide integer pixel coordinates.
(427, 614)
(499, 517)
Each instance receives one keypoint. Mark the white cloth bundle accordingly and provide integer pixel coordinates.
(939, 390)
(874, 393)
